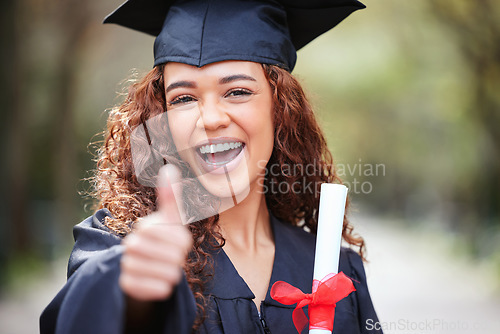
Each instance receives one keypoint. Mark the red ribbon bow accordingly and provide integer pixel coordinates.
(322, 302)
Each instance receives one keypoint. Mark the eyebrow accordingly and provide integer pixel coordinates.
(180, 84)
(235, 77)
(222, 81)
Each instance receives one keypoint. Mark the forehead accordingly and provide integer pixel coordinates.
(179, 71)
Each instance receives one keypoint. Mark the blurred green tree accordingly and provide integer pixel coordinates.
(475, 28)
(41, 42)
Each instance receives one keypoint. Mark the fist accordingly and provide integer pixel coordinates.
(156, 251)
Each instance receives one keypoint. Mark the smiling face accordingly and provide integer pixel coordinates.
(220, 118)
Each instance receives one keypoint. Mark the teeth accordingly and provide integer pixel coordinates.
(215, 148)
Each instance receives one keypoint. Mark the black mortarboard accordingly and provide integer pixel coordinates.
(200, 32)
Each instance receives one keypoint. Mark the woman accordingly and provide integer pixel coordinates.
(236, 132)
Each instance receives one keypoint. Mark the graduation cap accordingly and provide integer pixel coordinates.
(200, 32)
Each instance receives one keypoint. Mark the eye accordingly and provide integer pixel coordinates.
(181, 100)
(238, 92)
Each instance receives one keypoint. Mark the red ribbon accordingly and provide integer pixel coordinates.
(322, 302)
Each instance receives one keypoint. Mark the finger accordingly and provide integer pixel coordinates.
(153, 229)
(169, 191)
(156, 250)
(141, 267)
(145, 289)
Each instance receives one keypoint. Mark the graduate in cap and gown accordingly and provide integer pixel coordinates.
(208, 180)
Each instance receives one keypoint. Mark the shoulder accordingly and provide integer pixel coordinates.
(94, 224)
(353, 264)
(92, 238)
(93, 234)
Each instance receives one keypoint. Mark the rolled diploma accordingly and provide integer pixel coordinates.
(329, 236)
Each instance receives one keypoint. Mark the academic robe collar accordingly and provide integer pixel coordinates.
(293, 263)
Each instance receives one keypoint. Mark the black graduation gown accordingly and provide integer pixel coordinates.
(92, 302)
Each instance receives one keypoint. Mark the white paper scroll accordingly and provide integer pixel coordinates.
(330, 221)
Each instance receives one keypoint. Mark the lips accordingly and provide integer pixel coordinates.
(216, 153)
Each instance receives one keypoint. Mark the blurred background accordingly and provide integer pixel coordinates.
(408, 93)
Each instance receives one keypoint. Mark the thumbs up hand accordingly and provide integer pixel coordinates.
(156, 251)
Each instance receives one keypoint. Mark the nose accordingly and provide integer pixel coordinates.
(212, 116)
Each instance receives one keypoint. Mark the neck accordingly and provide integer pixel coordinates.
(246, 225)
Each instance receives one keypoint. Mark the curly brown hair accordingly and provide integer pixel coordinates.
(298, 142)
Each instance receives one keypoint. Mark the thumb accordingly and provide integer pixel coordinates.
(169, 191)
